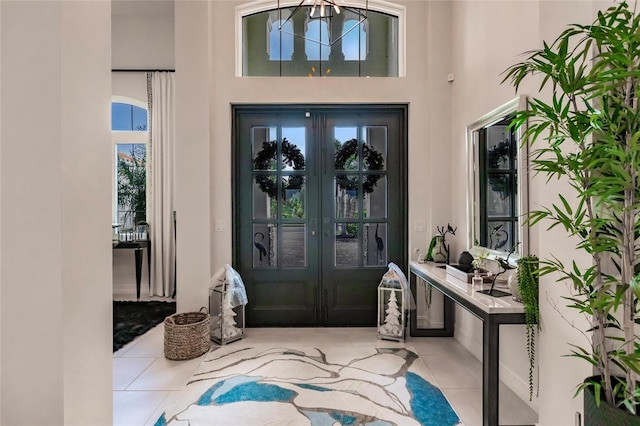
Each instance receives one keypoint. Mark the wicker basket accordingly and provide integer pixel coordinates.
(186, 336)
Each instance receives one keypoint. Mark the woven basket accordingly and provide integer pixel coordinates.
(186, 336)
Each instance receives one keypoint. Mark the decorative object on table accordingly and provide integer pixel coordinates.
(445, 247)
(589, 138)
(227, 298)
(528, 289)
(142, 231)
(132, 319)
(505, 266)
(465, 259)
(186, 335)
(392, 290)
(349, 385)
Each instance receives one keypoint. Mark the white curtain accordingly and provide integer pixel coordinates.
(160, 91)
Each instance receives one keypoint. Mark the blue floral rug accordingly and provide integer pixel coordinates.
(309, 386)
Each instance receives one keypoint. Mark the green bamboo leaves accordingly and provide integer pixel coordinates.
(586, 132)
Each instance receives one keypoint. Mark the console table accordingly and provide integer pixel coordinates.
(137, 245)
(493, 311)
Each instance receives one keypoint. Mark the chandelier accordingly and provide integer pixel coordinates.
(325, 9)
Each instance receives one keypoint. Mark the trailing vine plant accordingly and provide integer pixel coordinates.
(528, 284)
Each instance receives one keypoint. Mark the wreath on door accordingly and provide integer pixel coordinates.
(372, 158)
(265, 158)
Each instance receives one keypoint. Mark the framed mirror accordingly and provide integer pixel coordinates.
(497, 179)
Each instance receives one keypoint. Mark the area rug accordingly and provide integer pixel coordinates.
(131, 319)
(309, 386)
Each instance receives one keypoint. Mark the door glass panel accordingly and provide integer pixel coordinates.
(375, 196)
(263, 142)
(293, 148)
(346, 244)
(374, 149)
(265, 204)
(294, 246)
(346, 148)
(499, 193)
(293, 197)
(346, 193)
(265, 245)
(374, 251)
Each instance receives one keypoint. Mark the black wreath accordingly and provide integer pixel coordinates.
(372, 158)
(291, 156)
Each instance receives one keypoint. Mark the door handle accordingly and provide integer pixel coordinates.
(313, 233)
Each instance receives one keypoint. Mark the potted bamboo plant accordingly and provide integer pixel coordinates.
(588, 133)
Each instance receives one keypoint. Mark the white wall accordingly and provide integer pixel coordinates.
(489, 37)
(55, 280)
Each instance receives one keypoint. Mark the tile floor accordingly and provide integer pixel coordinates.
(143, 378)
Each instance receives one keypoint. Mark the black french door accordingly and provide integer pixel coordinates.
(319, 210)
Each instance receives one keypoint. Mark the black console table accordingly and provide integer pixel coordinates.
(137, 245)
(493, 311)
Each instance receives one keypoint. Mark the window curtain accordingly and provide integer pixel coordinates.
(160, 212)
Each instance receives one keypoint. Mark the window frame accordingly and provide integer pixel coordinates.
(127, 137)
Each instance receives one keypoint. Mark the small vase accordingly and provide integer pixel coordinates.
(514, 287)
(439, 251)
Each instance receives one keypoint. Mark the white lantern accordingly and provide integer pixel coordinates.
(391, 308)
(227, 322)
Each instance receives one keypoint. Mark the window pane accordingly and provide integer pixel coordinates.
(293, 197)
(316, 44)
(121, 117)
(127, 117)
(281, 41)
(265, 247)
(499, 195)
(131, 182)
(354, 40)
(346, 196)
(265, 202)
(293, 148)
(498, 147)
(264, 148)
(294, 247)
(375, 148)
(375, 196)
(374, 251)
(346, 244)
(139, 119)
(346, 148)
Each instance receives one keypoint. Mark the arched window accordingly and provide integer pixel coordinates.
(129, 126)
(358, 42)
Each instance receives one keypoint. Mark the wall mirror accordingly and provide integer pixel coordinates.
(497, 184)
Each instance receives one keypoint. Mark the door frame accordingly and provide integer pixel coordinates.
(400, 108)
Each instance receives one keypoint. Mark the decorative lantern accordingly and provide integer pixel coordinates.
(391, 308)
(227, 322)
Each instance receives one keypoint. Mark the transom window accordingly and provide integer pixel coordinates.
(293, 42)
